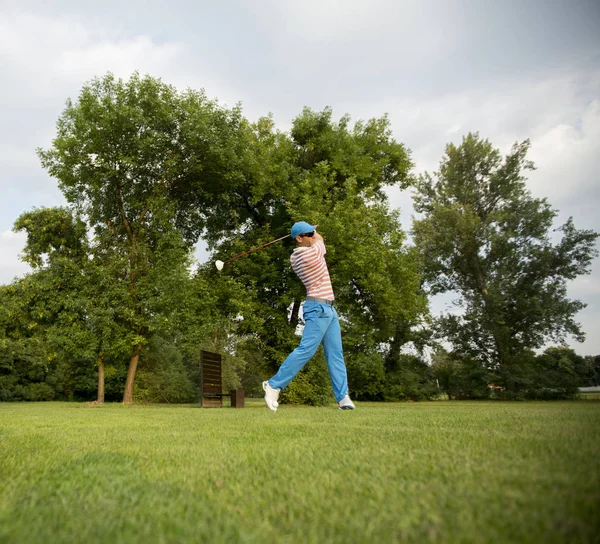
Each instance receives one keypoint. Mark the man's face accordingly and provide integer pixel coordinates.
(305, 240)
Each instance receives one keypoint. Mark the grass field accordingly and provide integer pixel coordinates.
(424, 472)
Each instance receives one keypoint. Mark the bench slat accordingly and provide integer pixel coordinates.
(212, 389)
(212, 383)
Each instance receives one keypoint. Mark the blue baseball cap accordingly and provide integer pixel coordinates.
(302, 227)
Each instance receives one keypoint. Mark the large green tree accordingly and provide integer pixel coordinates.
(71, 315)
(149, 169)
(483, 235)
(135, 159)
(45, 309)
(331, 173)
(77, 302)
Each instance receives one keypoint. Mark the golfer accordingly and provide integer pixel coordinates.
(321, 320)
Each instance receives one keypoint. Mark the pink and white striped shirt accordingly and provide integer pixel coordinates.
(310, 266)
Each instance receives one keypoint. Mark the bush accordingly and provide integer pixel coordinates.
(38, 392)
(412, 379)
(556, 374)
(461, 376)
(232, 368)
(162, 376)
(366, 376)
(311, 385)
(83, 384)
(7, 388)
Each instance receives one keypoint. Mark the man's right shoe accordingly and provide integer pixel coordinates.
(346, 403)
(271, 396)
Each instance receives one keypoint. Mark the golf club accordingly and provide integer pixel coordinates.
(220, 264)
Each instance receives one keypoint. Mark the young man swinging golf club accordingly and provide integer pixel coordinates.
(321, 320)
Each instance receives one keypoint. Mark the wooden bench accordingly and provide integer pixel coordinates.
(211, 380)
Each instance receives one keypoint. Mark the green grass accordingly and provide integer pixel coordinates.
(424, 472)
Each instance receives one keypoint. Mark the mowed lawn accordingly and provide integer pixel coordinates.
(424, 472)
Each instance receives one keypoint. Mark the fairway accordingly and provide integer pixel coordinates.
(422, 472)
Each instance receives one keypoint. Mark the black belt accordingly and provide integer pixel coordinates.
(323, 300)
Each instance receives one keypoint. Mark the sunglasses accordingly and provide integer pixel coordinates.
(308, 234)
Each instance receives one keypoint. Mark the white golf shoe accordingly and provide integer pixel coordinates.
(346, 403)
(271, 396)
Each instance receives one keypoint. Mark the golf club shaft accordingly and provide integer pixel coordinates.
(256, 249)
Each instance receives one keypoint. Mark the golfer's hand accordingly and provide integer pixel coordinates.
(317, 237)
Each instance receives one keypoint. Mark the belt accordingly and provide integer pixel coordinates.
(323, 300)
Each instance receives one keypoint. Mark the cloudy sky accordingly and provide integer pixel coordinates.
(511, 70)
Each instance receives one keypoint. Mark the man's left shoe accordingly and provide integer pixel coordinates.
(346, 403)
(271, 396)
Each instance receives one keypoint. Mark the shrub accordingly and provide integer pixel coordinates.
(461, 376)
(366, 376)
(412, 379)
(311, 386)
(38, 392)
(162, 376)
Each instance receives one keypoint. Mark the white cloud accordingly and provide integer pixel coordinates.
(354, 22)
(440, 69)
(44, 60)
(585, 285)
(50, 57)
(504, 111)
(16, 157)
(11, 245)
(568, 157)
(589, 319)
(122, 58)
(560, 114)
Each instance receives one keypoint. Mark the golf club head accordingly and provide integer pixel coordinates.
(219, 265)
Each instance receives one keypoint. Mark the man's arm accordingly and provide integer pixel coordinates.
(318, 244)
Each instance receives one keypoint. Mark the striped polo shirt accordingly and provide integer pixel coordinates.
(310, 266)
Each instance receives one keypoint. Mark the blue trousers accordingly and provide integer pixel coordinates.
(321, 327)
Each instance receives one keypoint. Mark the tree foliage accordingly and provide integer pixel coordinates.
(147, 170)
(484, 236)
(133, 158)
(461, 376)
(559, 372)
(331, 174)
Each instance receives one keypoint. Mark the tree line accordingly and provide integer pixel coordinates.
(115, 309)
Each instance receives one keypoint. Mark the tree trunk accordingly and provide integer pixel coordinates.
(401, 335)
(133, 362)
(100, 379)
(294, 316)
